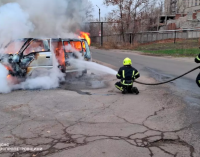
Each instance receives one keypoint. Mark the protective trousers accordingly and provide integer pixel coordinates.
(198, 80)
(121, 87)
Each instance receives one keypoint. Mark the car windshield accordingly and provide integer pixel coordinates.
(37, 46)
(14, 47)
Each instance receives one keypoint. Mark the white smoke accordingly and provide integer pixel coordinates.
(4, 87)
(44, 18)
(43, 79)
(93, 67)
(81, 64)
(52, 18)
(14, 23)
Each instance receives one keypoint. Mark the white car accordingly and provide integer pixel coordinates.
(37, 54)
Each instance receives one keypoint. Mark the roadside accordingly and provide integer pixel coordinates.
(182, 48)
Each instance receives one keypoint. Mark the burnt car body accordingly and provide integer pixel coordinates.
(38, 54)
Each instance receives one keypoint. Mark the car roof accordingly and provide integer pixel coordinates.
(54, 39)
(66, 39)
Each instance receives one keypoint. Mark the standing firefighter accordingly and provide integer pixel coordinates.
(197, 60)
(127, 74)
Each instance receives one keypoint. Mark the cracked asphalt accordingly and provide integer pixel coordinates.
(79, 120)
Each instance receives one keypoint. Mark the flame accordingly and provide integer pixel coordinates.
(8, 68)
(86, 36)
(8, 76)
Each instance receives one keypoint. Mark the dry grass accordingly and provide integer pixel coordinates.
(113, 45)
(182, 47)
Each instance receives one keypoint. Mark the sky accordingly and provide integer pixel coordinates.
(104, 9)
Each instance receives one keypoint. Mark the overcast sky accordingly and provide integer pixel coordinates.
(104, 9)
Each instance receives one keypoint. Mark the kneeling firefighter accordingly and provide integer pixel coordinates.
(127, 74)
(197, 60)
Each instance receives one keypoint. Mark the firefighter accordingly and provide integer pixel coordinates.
(127, 74)
(197, 60)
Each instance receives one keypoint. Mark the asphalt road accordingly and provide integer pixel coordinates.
(81, 120)
(88, 117)
(160, 68)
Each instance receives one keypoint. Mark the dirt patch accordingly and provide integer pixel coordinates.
(11, 108)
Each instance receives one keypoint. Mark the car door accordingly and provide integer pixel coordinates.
(72, 49)
(43, 58)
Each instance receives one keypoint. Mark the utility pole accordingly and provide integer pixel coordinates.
(99, 13)
(100, 26)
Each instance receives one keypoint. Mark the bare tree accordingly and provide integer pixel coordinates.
(127, 13)
(121, 14)
(135, 15)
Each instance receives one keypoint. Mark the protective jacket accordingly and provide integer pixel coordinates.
(127, 74)
(197, 59)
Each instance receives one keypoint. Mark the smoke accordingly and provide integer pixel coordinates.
(50, 18)
(39, 19)
(42, 79)
(81, 64)
(93, 67)
(43, 19)
(14, 23)
(4, 87)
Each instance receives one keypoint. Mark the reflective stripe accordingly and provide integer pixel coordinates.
(133, 74)
(198, 58)
(123, 73)
(120, 88)
(137, 74)
(199, 81)
(118, 75)
(126, 84)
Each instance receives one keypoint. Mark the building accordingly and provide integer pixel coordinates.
(173, 7)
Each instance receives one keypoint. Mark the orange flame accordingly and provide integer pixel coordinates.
(8, 68)
(8, 76)
(86, 36)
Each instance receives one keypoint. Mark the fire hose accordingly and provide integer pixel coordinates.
(155, 84)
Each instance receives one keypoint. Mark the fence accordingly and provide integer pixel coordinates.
(146, 37)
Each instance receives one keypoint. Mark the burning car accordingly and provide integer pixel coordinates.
(37, 54)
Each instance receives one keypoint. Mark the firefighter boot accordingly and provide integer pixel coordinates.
(135, 90)
(124, 90)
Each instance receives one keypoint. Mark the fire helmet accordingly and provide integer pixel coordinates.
(127, 61)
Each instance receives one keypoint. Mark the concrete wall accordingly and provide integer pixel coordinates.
(146, 37)
(155, 36)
